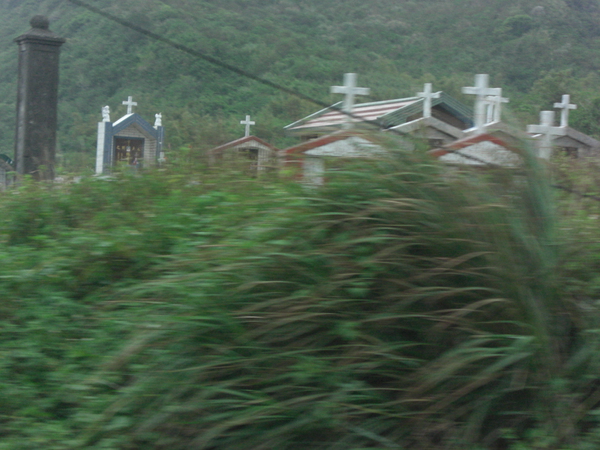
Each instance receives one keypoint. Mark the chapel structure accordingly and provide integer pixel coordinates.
(130, 141)
(253, 154)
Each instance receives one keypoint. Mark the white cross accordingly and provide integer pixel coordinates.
(130, 104)
(481, 90)
(565, 106)
(494, 107)
(351, 91)
(547, 129)
(247, 122)
(427, 96)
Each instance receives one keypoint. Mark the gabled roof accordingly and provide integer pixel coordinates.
(386, 114)
(131, 119)
(578, 136)
(424, 122)
(493, 148)
(357, 139)
(244, 142)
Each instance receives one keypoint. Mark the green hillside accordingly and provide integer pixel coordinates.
(535, 50)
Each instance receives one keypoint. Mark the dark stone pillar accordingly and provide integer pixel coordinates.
(37, 97)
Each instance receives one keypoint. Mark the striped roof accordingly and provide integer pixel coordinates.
(385, 114)
(333, 117)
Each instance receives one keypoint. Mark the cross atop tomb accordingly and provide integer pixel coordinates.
(565, 106)
(427, 95)
(548, 131)
(350, 91)
(130, 104)
(247, 122)
(481, 90)
(494, 107)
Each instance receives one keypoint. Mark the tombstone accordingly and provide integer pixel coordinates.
(546, 132)
(130, 141)
(573, 143)
(481, 90)
(37, 98)
(350, 92)
(565, 106)
(494, 107)
(427, 95)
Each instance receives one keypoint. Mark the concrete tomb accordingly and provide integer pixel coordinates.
(130, 141)
(252, 153)
(545, 133)
(565, 138)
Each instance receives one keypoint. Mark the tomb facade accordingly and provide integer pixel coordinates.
(254, 154)
(130, 141)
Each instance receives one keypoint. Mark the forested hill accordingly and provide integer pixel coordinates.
(536, 50)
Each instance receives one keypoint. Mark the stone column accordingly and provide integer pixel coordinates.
(37, 97)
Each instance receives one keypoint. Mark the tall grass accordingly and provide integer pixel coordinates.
(404, 305)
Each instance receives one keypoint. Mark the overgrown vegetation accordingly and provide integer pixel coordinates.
(536, 50)
(404, 305)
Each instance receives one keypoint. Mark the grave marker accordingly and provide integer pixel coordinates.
(350, 91)
(427, 95)
(494, 107)
(548, 131)
(481, 90)
(565, 106)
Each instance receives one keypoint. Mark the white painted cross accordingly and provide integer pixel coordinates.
(427, 95)
(481, 90)
(548, 131)
(565, 106)
(130, 104)
(247, 122)
(351, 91)
(494, 107)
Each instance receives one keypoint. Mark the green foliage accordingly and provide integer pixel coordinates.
(305, 45)
(400, 306)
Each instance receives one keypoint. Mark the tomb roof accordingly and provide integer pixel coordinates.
(387, 113)
(243, 142)
(328, 139)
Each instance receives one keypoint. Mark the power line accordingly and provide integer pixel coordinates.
(217, 62)
(246, 74)
(276, 86)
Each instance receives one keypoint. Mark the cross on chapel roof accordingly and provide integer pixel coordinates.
(481, 90)
(547, 129)
(351, 91)
(427, 95)
(247, 122)
(130, 104)
(565, 106)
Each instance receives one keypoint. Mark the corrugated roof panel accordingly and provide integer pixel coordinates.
(366, 111)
